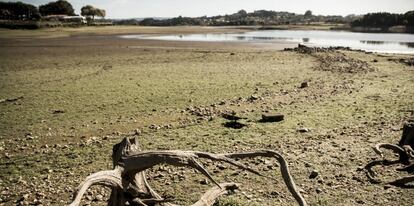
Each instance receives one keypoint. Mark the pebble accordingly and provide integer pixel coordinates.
(137, 132)
(99, 198)
(314, 174)
(303, 130)
(221, 167)
(319, 190)
(204, 182)
(304, 85)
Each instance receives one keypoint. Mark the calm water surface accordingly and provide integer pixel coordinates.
(375, 42)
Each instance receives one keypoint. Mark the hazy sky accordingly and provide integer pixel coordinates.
(172, 8)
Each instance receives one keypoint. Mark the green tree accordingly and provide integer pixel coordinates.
(242, 12)
(409, 18)
(308, 13)
(380, 19)
(60, 7)
(90, 11)
(18, 11)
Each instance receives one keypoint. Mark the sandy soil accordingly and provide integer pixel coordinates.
(85, 89)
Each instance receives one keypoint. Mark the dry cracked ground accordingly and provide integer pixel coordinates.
(67, 100)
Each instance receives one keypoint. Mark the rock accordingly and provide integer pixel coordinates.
(89, 197)
(307, 164)
(319, 190)
(99, 198)
(204, 182)
(221, 167)
(314, 174)
(153, 126)
(30, 137)
(304, 85)
(137, 132)
(58, 111)
(25, 197)
(303, 130)
(272, 117)
(253, 98)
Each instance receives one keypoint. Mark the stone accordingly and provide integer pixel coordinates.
(221, 167)
(304, 85)
(137, 132)
(303, 130)
(204, 182)
(314, 174)
(99, 198)
(272, 117)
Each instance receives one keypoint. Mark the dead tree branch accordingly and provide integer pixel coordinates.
(129, 183)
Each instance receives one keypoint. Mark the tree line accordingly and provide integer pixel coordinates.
(385, 20)
(23, 11)
(259, 17)
(265, 17)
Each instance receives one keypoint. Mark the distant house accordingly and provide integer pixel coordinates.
(65, 19)
(76, 19)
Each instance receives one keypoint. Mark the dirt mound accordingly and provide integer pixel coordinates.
(339, 62)
(332, 59)
(310, 50)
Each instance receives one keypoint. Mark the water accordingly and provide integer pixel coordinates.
(375, 42)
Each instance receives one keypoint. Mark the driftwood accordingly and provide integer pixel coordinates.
(406, 154)
(130, 187)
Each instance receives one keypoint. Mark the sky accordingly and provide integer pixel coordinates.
(194, 8)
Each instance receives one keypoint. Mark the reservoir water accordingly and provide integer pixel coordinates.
(374, 42)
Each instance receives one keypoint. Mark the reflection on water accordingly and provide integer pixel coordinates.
(376, 42)
(408, 44)
(373, 42)
(254, 38)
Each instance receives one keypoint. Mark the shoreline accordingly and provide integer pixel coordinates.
(114, 33)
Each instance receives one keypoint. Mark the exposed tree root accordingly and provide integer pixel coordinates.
(405, 160)
(406, 154)
(129, 184)
(371, 174)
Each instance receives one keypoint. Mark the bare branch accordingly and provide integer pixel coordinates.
(210, 197)
(393, 147)
(284, 169)
(111, 178)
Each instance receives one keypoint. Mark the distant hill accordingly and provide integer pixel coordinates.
(259, 17)
(136, 21)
